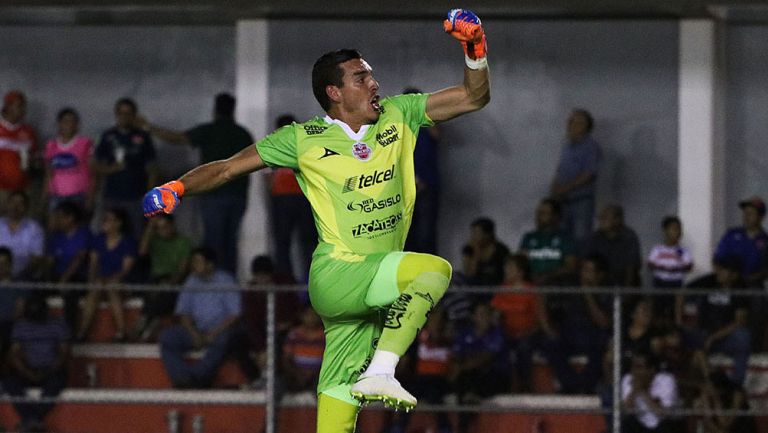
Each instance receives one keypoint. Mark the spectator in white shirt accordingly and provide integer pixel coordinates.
(647, 393)
(22, 235)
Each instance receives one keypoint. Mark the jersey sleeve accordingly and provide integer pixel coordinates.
(414, 109)
(279, 149)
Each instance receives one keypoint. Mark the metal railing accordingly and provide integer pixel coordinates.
(270, 399)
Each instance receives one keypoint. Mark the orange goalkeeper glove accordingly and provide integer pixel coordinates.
(465, 26)
(163, 198)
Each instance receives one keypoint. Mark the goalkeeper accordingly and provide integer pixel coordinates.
(355, 165)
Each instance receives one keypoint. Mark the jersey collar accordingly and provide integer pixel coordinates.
(357, 136)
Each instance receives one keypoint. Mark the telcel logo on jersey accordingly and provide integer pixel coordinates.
(365, 180)
(389, 136)
(371, 205)
(377, 225)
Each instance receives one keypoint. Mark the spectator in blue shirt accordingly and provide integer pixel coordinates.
(125, 157)
(576, 175)
(748, 243)
(67, 253)
(209, 319)
(111, 261)
(38, 358)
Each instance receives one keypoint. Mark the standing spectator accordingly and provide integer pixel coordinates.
(291, 214)
(722, 317)
(11, 303)
(486, 265)
(303, 352)
(576, 175)
(68, 164)
(111, 261)
(39, 357)
(68, 249)
(223, 209)
(168, 252)
(670, 262)
(650, 392)
(581, 324)
(480, 368)
(619, 247)
(17, 144)
(522, 316)
(125, 157)
(550, 250)
(209, 318)
(22, 235)
(422, 237)
(748, 243)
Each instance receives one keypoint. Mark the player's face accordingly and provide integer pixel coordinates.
(359, 91)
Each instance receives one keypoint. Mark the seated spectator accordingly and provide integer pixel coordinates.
(639, 335)
(208, 319)
(649, 392)
(720, 393)
(111, 261)
(38, 358)
(619, 247)
(581, 324)
(551, 251)
(303, 353)
(67, 251)
(11, 302)
(168, 252)
(480, 369)
(720, 324)
(458, 303)
(431, 381)
(486, 265)
(22, 235)
(287, 306)
(67, 164)
(522, 316)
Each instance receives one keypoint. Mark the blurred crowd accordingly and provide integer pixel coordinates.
(474, 345)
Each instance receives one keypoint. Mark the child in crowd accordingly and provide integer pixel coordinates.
(67, 164)
(670, 262)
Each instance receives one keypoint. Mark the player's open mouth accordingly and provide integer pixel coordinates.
(375, 104)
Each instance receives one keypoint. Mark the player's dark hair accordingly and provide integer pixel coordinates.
(326, 71)
(486, 225)
(207, 253)
(284, 119)
(224, 105)
(669, 220)
(411, 91)
(129, 102)
(587, 116)
(65, 111)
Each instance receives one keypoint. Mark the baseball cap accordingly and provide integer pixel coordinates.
(755, 202)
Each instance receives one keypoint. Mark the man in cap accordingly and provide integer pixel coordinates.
(748, 243)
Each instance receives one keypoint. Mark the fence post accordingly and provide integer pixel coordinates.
(616, 362)
(271, 404)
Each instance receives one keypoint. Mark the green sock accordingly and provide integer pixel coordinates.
(408, 314)
(334, 415)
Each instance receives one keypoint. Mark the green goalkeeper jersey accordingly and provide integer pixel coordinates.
(361, 185)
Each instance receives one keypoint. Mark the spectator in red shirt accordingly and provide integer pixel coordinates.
(303, 353)
(18, 144)
(522, 316)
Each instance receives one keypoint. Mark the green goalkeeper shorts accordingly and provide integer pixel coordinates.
(340, 292)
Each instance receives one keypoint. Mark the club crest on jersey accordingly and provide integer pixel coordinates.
(361, 151)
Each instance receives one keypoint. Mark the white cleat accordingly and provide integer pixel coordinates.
(384, 388)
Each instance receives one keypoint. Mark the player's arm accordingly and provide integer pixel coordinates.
(475, 92)
(203, 178)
